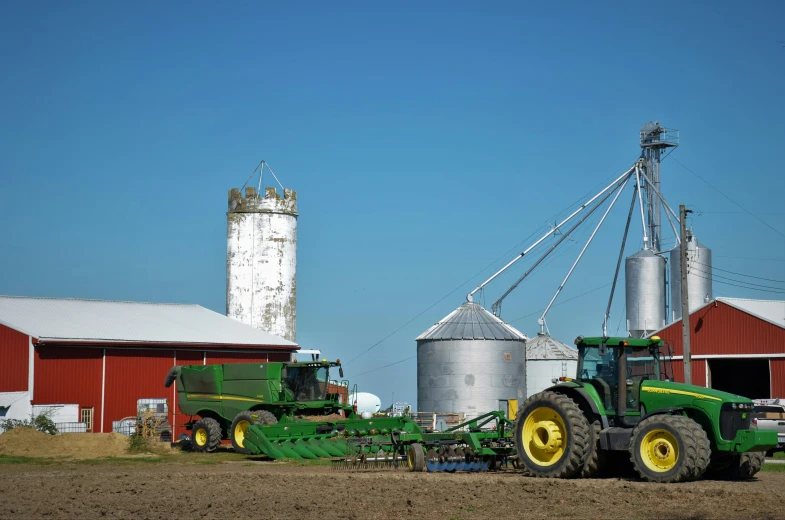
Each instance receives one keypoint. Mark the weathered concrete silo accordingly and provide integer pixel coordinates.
(547, 358)
(469, 362)
(261, 260)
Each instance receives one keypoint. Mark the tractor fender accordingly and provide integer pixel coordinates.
(662, 411)
(582, 398)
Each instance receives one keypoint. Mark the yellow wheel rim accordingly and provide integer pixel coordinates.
(544, 436)
(200, 436)
(239, 433)
(659, 451)
(410, 457)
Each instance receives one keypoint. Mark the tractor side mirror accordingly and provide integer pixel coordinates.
(629, 382)
(340, 372)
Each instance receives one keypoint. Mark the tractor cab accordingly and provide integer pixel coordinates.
(614, 366)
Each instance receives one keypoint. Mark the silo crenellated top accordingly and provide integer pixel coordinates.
(471, 321)
(272, 202)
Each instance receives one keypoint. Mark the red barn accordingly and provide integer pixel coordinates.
(737, 345)
(105, 355)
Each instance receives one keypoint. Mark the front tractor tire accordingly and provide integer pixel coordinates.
(669, 448)
(206, 435)
(743, 466)
(241, 423)
(552, 436)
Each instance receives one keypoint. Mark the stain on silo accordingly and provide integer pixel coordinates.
(469, 380)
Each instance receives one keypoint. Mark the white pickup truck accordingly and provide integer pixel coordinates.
(770, 416)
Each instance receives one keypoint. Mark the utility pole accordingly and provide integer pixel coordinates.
(685, 304)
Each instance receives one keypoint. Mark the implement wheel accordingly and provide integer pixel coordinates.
(416, 457)
(552, 436)
(206, 435)
(669, 448)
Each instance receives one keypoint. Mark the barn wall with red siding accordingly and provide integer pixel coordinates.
(698, 371)
(14, 360)
(777, 378)
(69, 375)
(132, 375)
(719, 328)
(280, 356)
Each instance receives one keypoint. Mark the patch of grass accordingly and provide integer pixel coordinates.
(467, 508)
(310, 462)
(10, 459)
(773, 467)
(139, 444)
(779, 455)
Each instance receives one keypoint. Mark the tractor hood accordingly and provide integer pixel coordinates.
(653, 387)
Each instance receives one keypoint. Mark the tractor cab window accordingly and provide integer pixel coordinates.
(596, 365)
(307, 383)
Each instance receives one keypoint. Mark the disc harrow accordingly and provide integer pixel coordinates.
(482, 444)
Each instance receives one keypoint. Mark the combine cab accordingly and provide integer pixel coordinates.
(229, 398)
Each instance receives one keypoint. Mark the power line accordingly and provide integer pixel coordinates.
(752, 258)
(780, 233)
(742, 286)
(697, 269)
(739, 274)
(385, 366)
(562, 302)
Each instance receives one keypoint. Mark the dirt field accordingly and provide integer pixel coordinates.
(185, 487)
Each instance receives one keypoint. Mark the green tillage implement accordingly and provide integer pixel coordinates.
(389, 441)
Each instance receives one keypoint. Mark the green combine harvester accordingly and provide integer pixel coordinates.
(620, 402)
(228, 398)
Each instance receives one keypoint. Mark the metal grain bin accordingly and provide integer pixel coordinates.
(699, 288)
(645, 291)
(470, 362)
(547, 358)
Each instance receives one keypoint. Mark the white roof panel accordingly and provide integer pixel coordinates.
(542, 346)
(59, 319)
(9, 398)
(769, 310)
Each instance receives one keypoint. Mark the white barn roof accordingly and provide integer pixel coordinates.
(543, 347)
(59, 320)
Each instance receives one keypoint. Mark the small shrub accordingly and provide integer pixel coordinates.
(42, 422)
(138, 444)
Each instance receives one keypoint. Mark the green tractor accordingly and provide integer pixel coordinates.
(621, 402)
(227, 399)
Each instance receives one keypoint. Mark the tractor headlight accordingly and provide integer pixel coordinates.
(733, 405)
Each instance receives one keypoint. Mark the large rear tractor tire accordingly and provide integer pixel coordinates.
(552, 436)
(206, 435)
(415, 457)
(737, 467)
(669, 448)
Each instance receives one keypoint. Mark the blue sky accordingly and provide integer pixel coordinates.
(426, 142)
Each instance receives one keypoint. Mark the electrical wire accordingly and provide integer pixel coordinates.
(385, 366)
(738, 274)
(693, 269)
(742, 286)
(562, 302)
(780, 233)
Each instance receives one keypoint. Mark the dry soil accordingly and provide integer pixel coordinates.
(250, 489)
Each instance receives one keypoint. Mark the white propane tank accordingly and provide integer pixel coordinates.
(365, 402)
(366, 415)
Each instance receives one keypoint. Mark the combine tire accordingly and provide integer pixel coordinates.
(552, 436)
(206, 435)
(416, 457)
(241, 423)
(669, 448)
(738, 467)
